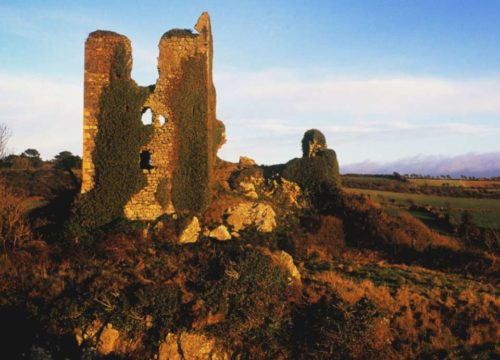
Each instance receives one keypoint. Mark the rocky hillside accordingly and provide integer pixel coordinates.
(282, 264)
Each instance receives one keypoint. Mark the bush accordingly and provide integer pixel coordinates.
(252, 295)
(334, 329)
(14, 228)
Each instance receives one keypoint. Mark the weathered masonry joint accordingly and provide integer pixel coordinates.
(165, 137)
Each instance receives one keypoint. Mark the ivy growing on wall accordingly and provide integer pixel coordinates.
(120, 136)
(190, 182)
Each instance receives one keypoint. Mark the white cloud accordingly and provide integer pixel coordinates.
(42, 113)
(364, 113)
(398, 97)
(267, 112)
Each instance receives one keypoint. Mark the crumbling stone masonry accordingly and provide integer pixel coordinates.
(185, 134)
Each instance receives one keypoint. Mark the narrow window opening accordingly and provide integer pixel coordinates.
(146, 162)
(147, 117)
(162, 120)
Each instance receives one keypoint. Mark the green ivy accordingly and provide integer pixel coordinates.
(310, 172)
(191, 178)
(161, 194)
(117, 146)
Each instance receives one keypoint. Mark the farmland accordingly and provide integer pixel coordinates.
(486, 212)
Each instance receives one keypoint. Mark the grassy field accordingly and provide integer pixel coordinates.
(371, 179)
(486, 212)
(491, 184)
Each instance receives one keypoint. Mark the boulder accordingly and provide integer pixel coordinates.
(220, 233)
(191, 232)
(169, 349)
(246, 180)
(192, 346)
(285, 261)
(107, 340)
(248, 189)
(246, 162)
(245, 214)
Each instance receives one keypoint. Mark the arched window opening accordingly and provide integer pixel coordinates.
(162, 120)
(147, 117)
(146, 162)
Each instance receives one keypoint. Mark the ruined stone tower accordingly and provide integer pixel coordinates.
(175, 161)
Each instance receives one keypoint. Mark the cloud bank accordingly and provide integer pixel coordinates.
(266, 113)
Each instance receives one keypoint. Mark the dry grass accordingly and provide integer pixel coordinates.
(14, 227)
(418, 320)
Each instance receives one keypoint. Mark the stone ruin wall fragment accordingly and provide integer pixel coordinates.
(174, 48)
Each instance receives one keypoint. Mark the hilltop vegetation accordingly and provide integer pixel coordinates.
(341, 275)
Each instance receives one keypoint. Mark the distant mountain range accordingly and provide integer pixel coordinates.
(471, 164)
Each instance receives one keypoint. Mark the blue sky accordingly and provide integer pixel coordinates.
(383, 80)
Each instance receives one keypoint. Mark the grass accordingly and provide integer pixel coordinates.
(396, 276)
(486, 212)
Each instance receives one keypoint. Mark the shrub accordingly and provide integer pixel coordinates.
(252, 295)
(14, 227)
(334, 329)
(325, 233)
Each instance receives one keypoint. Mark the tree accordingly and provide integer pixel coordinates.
(31, 153)
(66, 161)
(33, 156)
(4, 138)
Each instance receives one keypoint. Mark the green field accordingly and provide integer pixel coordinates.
(486, 212)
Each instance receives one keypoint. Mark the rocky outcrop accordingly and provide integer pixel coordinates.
(247, 179)
(108, 340)
(285, 261)
(191, 232)
(190, 346)
(252, 214)
(220, 233)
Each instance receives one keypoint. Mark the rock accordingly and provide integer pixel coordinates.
(246, 162)
(192, 346)
(291, 193)
(220, 233)
(169, 350)
(245, 214)
(107, 340)
(191, 232)
(248, 189)
(285, 261)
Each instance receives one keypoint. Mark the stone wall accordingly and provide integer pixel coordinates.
(175, 47)
(99, 50)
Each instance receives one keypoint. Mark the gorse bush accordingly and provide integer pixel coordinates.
(117, 147)
(334, 329)
(251, 295)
